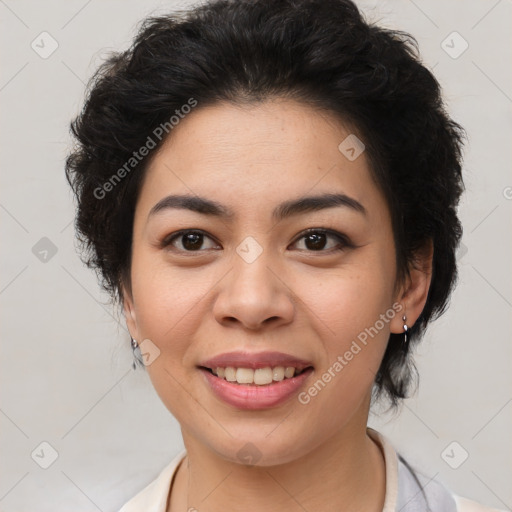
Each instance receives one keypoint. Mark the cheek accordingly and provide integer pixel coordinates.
(352, 311)
(354, 339)
(349, 299)
(166, 298)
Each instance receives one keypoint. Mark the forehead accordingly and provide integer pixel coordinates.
(249, 155)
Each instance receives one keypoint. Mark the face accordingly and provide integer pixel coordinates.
(311, 283)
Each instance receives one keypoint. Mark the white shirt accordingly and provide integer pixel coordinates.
(403, 494)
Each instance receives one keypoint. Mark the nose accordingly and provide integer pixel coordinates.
(254, 296)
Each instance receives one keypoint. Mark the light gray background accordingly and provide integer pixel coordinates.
(65, 365)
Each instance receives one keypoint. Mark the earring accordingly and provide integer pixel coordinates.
(406, 330)
(135, 346)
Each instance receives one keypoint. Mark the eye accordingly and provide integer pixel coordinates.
(190, 240)
(316, 240)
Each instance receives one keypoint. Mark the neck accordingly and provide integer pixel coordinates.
(345, 472)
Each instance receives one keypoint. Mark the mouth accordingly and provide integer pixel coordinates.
(244, 393)
(255, 380)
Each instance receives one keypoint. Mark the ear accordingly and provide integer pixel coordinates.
(129, 313)
(413, 294)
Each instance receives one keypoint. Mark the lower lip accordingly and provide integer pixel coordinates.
(253, 397)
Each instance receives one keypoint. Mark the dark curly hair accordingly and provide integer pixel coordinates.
(320, 52)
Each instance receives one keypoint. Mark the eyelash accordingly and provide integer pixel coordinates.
(343, 241)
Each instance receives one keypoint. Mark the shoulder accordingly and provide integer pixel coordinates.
(409, 490)
(466, 505)
(416, 488)
(156, 493)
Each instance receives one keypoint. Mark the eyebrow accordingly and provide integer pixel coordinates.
(284, 210)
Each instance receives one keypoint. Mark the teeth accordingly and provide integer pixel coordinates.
(278, 373)
(230, 374)
(289, 372)
(244, 376)
(260, 377)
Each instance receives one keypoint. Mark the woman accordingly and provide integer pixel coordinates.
(269, 190)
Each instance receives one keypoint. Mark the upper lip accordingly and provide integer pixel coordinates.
(255, 360)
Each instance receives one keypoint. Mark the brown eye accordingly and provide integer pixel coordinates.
(313, 240)
(188, 241)
(317, 240)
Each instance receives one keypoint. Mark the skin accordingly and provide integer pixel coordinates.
(294, 299)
